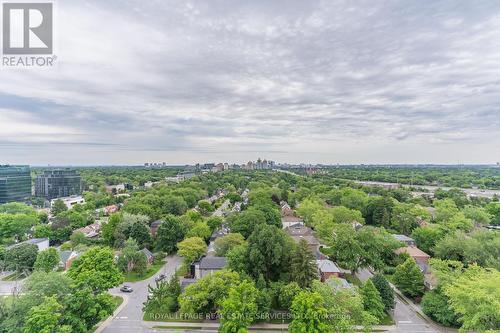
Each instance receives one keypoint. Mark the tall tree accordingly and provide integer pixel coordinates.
(58, 207)
(372, 302)
(170, 232)
(47, 260)
(191, 249)
(385, 290)
(96, 269)
(303, 265)
(409, 279)
(309, 314)
(239, 308)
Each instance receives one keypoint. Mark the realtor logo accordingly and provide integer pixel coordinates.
(27, 28)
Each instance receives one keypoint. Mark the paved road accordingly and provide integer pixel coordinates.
(407, 320)
(129, 319)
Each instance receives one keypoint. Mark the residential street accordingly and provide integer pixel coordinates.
(406, 318)
(129, 319)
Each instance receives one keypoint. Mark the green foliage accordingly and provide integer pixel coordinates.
(205, 208)
(163, 297)
(16, 219)
(372, 301)
(475, 297)
(239, 308)
(225, 243)
(385, 291)
(96, 269)
(44, 318)
(378, 211)
(427, 237)
(207, 293)
(309, 314)
(47, 260)
(285, 293)
(201, 230)
(169, 234)
(303, 265)
(191, 249)
(481, 246)
(21, 258)
(435, 305)
(58, 207)
(367, 247)
(245, 222)
(268, 253)
(409, 279)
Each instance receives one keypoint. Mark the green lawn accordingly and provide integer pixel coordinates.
(134, 277)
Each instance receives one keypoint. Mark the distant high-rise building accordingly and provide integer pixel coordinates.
(15, 183)
(58, 183)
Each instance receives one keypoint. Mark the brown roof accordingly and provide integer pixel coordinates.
(413, 251)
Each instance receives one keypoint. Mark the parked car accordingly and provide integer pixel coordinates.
(126, 289)
(160, 277)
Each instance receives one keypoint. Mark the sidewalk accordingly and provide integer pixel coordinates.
(258, 326)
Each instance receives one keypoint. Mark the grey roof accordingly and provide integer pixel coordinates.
(213, 263)
(327, 266)
(157, 223)
(65, 255)
(33, 241)
(403, 238)
(337, 283)
(147, 253)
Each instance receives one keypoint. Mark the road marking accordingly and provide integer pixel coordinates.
(405, 322)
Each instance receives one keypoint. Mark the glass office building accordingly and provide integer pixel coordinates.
(15, 183)
(58, 183)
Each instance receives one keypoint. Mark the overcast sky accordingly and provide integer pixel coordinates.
(291, 81)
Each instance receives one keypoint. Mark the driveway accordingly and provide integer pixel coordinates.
(129, 318)
(405, 316)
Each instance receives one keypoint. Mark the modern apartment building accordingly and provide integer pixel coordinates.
(58, 183)
(15, 183)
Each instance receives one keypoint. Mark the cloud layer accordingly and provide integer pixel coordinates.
(305, 81)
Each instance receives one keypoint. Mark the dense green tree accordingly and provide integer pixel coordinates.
(385, 290)
(269, 252)
(378, 211)
(84, 309)
(303, 265)
(475, 297)
(409, 279)
(309, 314)
(191, 249)
(58, 207)
(427, 237)
(96, 269)
(372, 301)
(108, 229)
(206, 295)
(169, 234)
(21, 258)
(225, 243)
(47, 260)
(239, 308)
(44, 318)
(163, 297)
(200, 229)
(205, 208)
(245, 222)
(435, 305)
(141, 233)
(16, 224)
